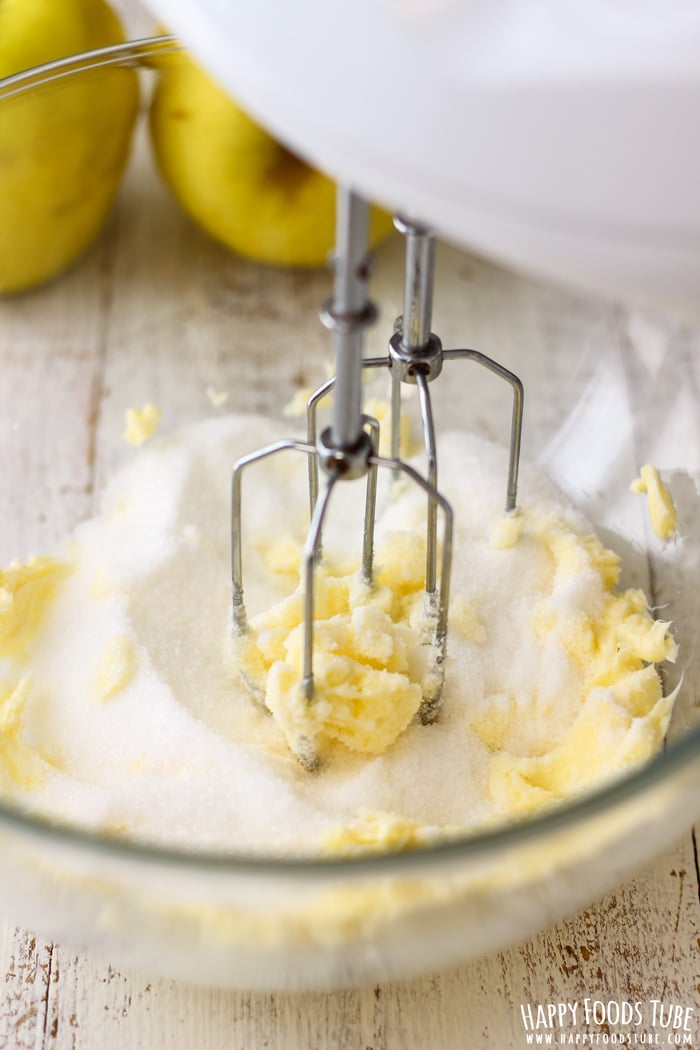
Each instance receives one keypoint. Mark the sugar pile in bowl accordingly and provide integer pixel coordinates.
(122, 708)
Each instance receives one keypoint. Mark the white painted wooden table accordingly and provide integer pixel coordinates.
(131, 323)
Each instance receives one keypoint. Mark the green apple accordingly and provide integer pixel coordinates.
(63, 146)
(236, 181)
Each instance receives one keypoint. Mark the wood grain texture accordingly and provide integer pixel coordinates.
(157, 311)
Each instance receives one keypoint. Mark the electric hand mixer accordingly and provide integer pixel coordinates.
(558, 144)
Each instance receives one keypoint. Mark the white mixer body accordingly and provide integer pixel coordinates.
(557, 137)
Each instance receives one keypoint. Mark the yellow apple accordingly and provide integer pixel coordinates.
(63, 146)
(236, 181)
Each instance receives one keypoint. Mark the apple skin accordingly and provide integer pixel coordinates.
(64, 146)
(235, 180)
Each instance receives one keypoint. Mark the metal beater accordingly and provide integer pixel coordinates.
(348, 449)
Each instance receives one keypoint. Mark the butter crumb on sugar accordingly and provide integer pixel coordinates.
(217, 398)
(141, 423)
(508, 530)
(282, 555)
(465, 620)
(117, 667)
(102, 585)
(376, 832)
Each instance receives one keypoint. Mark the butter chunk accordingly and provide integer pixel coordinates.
(616, 729)
(494, 724)
(217, 398)
(296, 406)
(662, 512)
(380, 833)
(464, 619)
(367, 678)
(364, 708)
(142, 423)
(508, 531)
(20, 765)
(26, 591)
(283, 555)
(380, 409)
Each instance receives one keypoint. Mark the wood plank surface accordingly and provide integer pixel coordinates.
(157, 311)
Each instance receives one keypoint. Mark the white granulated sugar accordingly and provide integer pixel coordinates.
(179, 752)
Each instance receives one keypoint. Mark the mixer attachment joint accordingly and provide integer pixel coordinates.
(348, 462)
(409, 363)
(348, 322)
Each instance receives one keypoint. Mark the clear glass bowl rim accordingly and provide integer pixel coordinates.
(672, 761)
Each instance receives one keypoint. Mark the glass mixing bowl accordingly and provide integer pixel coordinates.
(157, 310)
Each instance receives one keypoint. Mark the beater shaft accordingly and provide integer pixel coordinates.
(418, 287)
(350, 300)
